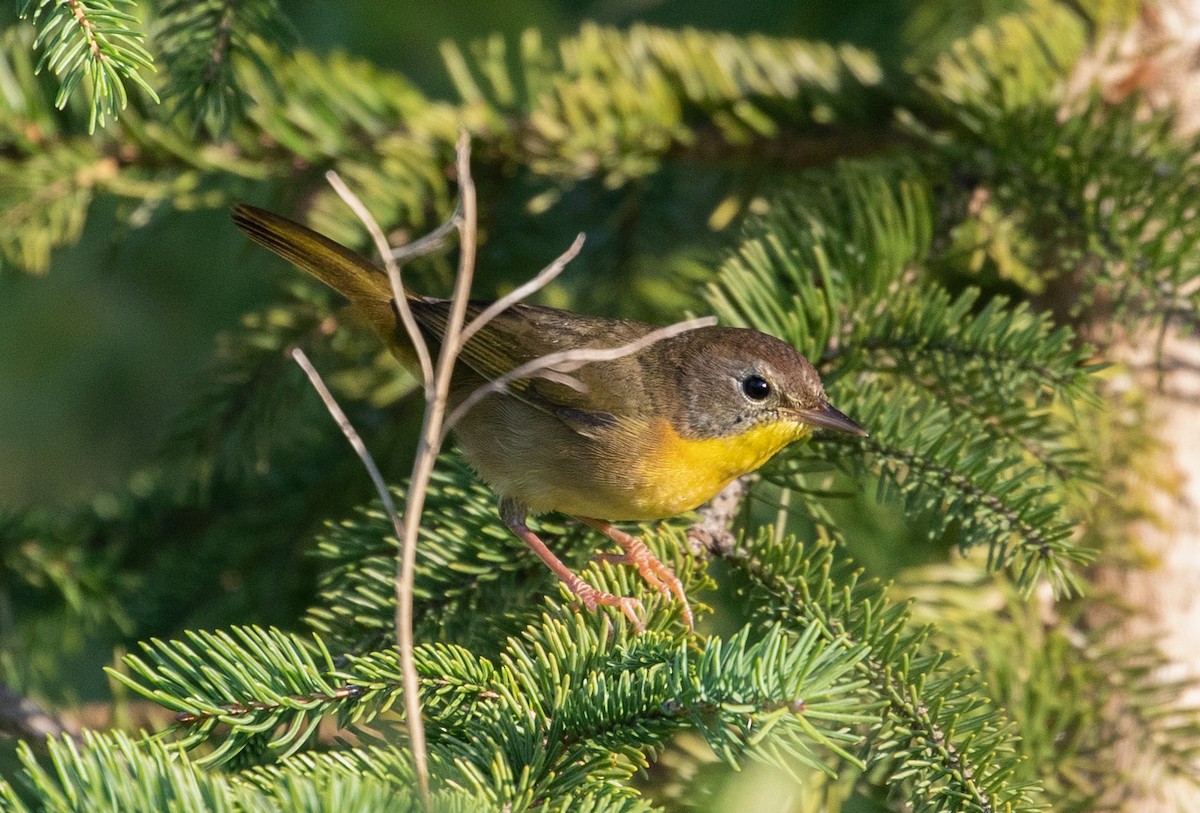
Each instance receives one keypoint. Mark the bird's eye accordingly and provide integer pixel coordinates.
(756, 388)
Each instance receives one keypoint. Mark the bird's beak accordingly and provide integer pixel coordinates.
(826, 417)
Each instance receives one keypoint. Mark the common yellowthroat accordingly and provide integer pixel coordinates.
(651, 435)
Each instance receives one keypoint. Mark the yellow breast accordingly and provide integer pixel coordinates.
(680, 473)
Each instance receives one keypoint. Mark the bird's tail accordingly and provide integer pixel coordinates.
(361, 281)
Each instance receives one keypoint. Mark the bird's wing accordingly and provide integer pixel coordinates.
(611, 389)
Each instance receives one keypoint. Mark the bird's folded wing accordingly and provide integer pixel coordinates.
(524, 333)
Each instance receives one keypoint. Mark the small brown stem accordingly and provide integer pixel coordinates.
(89, 30)
(427, 449)
(710, 535)
(536, 284)
(399, 294)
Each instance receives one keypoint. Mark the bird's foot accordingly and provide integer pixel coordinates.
(637, 553)
(593, 598)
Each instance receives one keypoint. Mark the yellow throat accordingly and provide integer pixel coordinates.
(680, 473)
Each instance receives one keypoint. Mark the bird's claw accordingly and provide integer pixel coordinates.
(651, 568)
(662, 579)
(593, 598)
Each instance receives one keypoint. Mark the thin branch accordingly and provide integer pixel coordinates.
(520, 292)
(566, 360)
(430, 242)
(349, 692)
(356, 442)
(437, 390)
(399, 294)
(427, 449)
(88, 28)
(965, 351)
(408, 670)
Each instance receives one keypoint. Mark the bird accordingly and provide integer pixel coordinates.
(643, 437)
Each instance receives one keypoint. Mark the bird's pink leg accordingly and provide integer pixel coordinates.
(514, 517)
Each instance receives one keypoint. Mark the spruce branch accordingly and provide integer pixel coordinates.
(1080, 667)
(711, 532)
(44, 200)
(560, 702)
(47, 563)
(202, 42)
(654, 82)
(946, 470)
(1100, 194)
(468, 565)
(1036, 432)
(250, 679)
(954, 745)
(114, 771)
(925, 331)
(93, 40)
(839, 242)
(966, 401)
(1007, 64)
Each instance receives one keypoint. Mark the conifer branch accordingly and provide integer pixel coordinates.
(1009, 362)
(923, 702)
(969, 398)
(953, 475)
(780, 690)
(92, 39)
(1000, 633)
(1031, 430)
(44, 201)
(202, 43)
(856, 305)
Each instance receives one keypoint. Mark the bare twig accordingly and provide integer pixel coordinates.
(553, 365)
(429, 242)
(393, 272)
(348, 430)
(427, 449)
(520, 292)
(406, 531)
(710, 535)
(437, 386)
(414, 720)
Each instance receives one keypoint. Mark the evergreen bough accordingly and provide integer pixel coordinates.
(911, 277)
